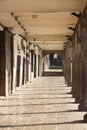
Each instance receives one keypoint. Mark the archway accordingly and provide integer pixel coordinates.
(55, 61)
(53, 65)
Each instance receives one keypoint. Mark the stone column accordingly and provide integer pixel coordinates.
(77, 78)
(69, 82)
(73, 77)
(83, 103)
(80, 78)
(68, 64)
(68, 71)
(65, 70)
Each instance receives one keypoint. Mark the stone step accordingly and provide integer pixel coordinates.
(52, 73)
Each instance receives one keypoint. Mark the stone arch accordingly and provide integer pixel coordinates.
(60, 52)
(52, 61)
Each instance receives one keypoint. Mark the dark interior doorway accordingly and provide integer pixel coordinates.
(38, 65)
(23, 73)
(18, 71)
(27, 70)
(31, 62)
(35, 66)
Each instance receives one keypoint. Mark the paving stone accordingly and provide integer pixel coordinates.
(44, 104)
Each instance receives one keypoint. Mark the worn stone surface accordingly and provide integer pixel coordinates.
(44, 104)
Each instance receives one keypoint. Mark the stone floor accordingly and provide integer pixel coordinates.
(44, 104)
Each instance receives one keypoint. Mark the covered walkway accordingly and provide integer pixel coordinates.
(37, 36)
(44, 104)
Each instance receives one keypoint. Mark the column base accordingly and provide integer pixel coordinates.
(69, 84)
(82, 107)
(85, 118)
(73, 95)
(70, 92)
(66, 82)
(77, 100)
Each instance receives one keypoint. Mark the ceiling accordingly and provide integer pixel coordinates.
(45, 21)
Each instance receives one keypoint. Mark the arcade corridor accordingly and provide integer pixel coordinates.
(43, 64)
(44, 104)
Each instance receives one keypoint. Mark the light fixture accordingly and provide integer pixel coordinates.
(55, 56)
(34, 16)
